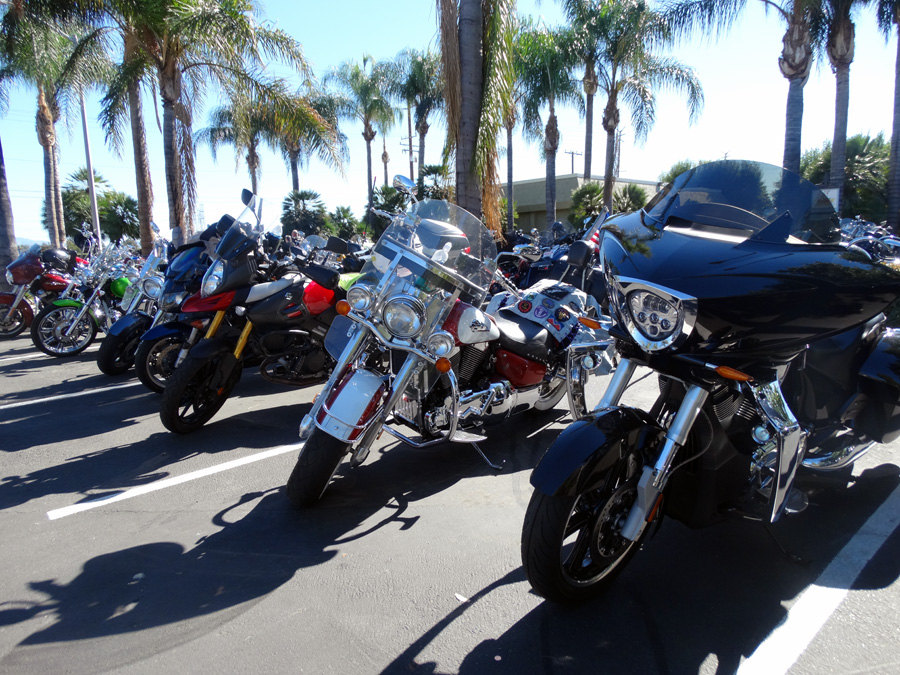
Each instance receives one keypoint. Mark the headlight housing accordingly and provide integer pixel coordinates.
(9, 278)
(172, 299)
(403, 316)
(213, 278)
(440, 343)
(654, 316)
(360, 298)
(151, 286)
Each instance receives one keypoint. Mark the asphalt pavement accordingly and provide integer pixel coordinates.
(128, 549)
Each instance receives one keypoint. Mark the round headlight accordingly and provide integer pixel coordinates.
(360, 298)
(653, 316)
(151, 287)
(9, 278)
(403, 316)
(213, 278)
(440, 343)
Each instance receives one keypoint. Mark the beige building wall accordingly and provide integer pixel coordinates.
(531, 199)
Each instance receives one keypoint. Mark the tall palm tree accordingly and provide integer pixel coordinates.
(841, 35)
(630, 71)
(796, 55)
(544, 63)
(420, 85)
(365, 91)
(888, 18)
(477, 54)
(7, 230)
(327, 143)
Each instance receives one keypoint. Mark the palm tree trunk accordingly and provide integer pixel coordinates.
(369, 170)
(590, 88)
(173, 174)
(295, 172)
(422, 129)
(509, 179)
(143, 184)
(385, 158)
(551, 146)
(610, 124)
(893, 186)
(468, 184)
(57, 196)
(8, 251)
(793, 124)
(839, 144)
(412, 175)
(49, 200)
(795, 64)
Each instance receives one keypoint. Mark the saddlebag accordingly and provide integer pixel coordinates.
(879, 418)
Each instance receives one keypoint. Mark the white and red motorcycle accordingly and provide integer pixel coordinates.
(420, 356)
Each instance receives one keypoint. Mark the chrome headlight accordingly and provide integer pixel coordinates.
(403, 316)
(9, 278)
(655, 317)
(360, 298)
(213, 278)
(151, 286)
(440, 343)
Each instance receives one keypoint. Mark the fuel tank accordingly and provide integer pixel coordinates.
(753, 295)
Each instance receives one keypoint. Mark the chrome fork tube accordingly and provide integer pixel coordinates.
(84, 310)
(617, 384)
(20, 293)
(653, 479)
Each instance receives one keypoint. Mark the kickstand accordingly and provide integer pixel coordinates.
(495, 467)
(790, 556)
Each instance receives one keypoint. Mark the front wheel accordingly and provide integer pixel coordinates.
(572, 546)
(196, 391)
(318, 461)
(154, 361)
(117, 352)
(12, 325)
(50, 331)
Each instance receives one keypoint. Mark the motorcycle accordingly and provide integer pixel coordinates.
(775, 366)
(140, 309)
(67, 326)
(277, 317)
(416, 346)
(45, 276)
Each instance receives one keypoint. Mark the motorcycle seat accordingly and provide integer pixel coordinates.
(524, 337)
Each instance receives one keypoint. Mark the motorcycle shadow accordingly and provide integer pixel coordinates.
(691, 600)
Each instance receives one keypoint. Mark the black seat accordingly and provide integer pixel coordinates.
(524, 337)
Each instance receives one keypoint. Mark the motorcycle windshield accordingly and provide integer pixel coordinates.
(33, 250)
(746, 200)
(438, 247)
(243, 234)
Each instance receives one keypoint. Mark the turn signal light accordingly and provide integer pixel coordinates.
(590, 323)
(732, 374)
(342, 307)
(443, 365)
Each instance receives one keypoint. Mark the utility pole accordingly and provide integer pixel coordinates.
(95, 216)
(573, 153)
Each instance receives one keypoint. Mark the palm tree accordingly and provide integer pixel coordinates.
(327, 143)
(544, 63)
(629, 71)
(796, 55)
(888, 17)
(510, 119)
(476, 55)
(7, 230)
(365, 90)
(420, 85)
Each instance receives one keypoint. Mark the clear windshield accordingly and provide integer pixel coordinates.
(243, 233)
(34, 249)
(747, 200)
(438, 247)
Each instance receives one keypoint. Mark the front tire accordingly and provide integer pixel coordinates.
(572, 548)
(154, 360)
(117, 352)
(318, 461)
(192, 395)
(14, 325)
(552, 394)
(50, 325)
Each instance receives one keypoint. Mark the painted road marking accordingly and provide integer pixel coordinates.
(75, 394)
(816, 604)
(170, 482)
(23, 357)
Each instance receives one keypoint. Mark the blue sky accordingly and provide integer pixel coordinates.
(743, 116)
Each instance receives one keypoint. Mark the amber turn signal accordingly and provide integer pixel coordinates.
(590, 323)
(342, 307)
(732, 374)
(443, 365)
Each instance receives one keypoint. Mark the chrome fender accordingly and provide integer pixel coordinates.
(585, 449)
(350, 407)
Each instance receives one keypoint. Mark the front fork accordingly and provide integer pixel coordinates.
(85, 308)
(20, 293)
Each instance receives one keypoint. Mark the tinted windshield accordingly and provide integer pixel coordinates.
(747, 199)
(441, 247)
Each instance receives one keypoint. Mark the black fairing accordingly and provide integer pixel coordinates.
(286, 310)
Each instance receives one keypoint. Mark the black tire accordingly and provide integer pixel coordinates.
(565, 570)
(117, 352)
(14, 325)
(154, 360)
(190, 399)
(554, 392)
(49, 325)
(318, 461)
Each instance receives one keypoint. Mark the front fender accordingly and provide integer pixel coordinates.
(206, 349)
(67, 302)
(27, 311)
(350, 407)
(225, 366)
(585, 449)
(131, 322)
(167, 329)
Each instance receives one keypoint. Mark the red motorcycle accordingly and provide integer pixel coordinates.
(37, 277)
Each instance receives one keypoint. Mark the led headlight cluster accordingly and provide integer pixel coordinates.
(213, 278)
(655, 317)
(403, 316)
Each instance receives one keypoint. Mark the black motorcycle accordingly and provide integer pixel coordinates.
(775, 366)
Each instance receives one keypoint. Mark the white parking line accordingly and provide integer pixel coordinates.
(37, 355)
(169, 482)
(84, 392)
(817, 603)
